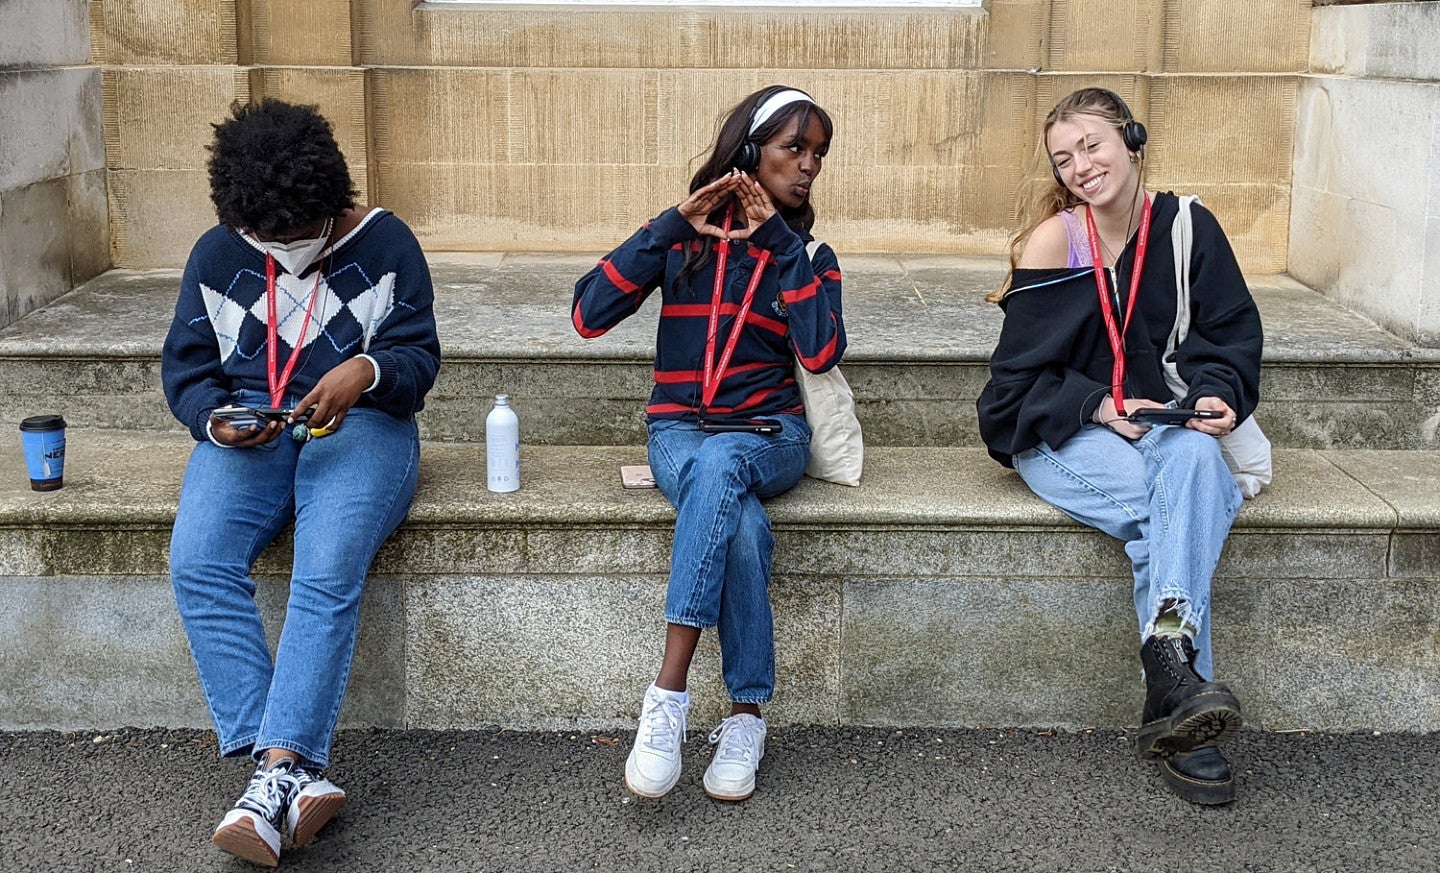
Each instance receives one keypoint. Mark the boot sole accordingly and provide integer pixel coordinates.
(1196, 790)
(315, 813)
(1206, 719)
(241, 840)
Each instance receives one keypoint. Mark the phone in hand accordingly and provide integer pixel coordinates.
(1167, 415)
(252, 418)
(741, 425)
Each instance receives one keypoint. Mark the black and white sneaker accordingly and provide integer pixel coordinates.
(315, 803)
(251, 830)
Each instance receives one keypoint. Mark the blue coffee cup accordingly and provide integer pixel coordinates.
(43, 437)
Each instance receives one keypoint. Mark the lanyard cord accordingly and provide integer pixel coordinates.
(712, 379)
(272, 330)
(1116, 333)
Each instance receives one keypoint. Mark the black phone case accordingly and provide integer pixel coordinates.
(1170, 416)
(763, 425)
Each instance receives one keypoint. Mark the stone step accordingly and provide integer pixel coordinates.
(920, 336)
(940, 592)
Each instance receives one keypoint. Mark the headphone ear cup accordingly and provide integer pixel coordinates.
(1134, 135)
(748, 158)
(1056, 170)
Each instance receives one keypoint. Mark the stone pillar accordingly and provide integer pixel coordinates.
(1365, 222)
(53, 217)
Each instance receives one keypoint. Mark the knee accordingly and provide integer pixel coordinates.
(1196, 452)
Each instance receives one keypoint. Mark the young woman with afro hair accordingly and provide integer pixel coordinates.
(303, 302)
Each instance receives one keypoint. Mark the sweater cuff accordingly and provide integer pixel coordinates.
(387, 373)
(773, 234)
(375, 383)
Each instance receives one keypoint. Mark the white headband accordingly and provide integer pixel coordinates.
(773, 104)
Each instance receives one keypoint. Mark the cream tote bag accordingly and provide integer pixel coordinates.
(837, 448)
(1246, 449)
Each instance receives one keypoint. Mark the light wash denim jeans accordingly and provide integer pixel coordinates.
(720, 562)
(346, 493)
(1168, 495)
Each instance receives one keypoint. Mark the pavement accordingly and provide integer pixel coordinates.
(828, 799)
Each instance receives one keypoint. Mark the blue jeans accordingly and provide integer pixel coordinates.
(1168, 496)
(346, 493)
(720, 562)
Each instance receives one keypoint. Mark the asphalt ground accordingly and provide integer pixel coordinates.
(828, 799)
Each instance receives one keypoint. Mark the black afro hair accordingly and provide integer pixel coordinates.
(275, 167)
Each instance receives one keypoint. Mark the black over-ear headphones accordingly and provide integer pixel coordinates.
(747, 159)
(1132, 132)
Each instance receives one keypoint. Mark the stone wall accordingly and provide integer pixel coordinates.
(54, 230)
(555, 128)
(1365, 221)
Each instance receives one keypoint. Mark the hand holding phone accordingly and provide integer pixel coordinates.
(1166, 415)
(249, 418)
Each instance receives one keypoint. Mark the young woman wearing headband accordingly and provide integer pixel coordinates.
(741, 302)
(1089, 305)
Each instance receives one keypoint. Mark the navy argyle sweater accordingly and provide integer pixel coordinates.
(374, 298)
(795, 315)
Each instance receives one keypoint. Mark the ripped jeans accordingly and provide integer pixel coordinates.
(1168, 496)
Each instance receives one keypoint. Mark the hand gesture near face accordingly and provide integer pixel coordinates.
(755, 201)
(697, 207)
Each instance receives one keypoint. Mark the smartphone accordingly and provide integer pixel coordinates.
(1170, 416)
(245, 417)
(633, 476)
(741, 425)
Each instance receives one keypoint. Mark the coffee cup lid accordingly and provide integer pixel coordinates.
(42, 423)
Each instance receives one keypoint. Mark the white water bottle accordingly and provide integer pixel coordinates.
(502, 446)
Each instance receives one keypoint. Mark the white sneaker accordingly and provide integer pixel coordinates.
(739, 744)
(653, 767)
(313, 806)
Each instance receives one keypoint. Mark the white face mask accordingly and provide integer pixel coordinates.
(296, 256)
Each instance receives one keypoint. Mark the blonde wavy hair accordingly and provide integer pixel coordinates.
(1041, 195)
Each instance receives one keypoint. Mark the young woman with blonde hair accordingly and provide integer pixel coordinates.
(1090, 304)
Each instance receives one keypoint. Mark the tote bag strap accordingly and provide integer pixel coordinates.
(1182, 235)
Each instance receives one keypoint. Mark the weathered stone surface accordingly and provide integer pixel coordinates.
(1362, 222)
(920, 335)
(665, 36)
(541, 608)
(987, 652)
(579, 651)
(50, 124)
(94, 653)
(1347, 653)
(39, 33)
(1378, 40)
(34, 246)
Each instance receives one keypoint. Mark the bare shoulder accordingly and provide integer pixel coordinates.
(1048, 246)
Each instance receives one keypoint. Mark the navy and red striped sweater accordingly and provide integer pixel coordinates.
(795, 316)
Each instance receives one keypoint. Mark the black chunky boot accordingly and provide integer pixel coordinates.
(1182, 710)
(1202, 776)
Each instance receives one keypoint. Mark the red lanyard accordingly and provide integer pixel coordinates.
(712, 379)
(1116, 332)
(278, 383)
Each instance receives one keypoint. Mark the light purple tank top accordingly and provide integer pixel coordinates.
(1079, 255)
